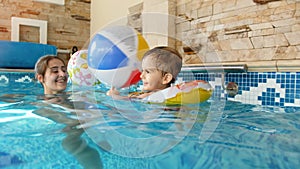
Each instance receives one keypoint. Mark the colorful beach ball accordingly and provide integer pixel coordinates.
(78, 70)
(115, 54)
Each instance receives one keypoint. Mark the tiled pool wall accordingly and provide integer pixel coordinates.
(264, 88)
(9, 79)
(18, 82)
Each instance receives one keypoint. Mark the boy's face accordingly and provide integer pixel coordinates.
(152, 79)
(55, 78)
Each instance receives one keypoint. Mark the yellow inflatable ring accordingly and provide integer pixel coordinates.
(192, 92)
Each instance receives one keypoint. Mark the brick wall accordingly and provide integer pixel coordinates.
(68, 25)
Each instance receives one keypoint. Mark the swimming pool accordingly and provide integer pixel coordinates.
(87, 129)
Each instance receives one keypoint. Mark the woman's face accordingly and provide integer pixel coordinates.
(55, 78)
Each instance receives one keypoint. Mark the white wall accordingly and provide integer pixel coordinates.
(104, 12)
(158, 26)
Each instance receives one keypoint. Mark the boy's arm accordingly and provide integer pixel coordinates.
(115, 94)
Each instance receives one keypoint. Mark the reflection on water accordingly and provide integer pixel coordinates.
(86, 129)
(42, 116)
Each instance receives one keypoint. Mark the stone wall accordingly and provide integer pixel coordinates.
(134, 18)
(227, 31)
(68, 25)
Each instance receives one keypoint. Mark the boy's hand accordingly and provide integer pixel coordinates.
(112, 92)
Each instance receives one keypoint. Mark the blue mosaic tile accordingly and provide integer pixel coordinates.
(297, 96)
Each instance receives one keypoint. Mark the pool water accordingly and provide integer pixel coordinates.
(86, 129)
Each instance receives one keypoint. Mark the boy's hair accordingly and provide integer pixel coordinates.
(42, 64)
(164, 58)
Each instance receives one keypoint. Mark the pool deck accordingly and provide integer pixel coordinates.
(16, 70)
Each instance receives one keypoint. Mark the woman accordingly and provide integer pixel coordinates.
(51, 72)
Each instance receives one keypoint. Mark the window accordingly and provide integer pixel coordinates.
(15, 26)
